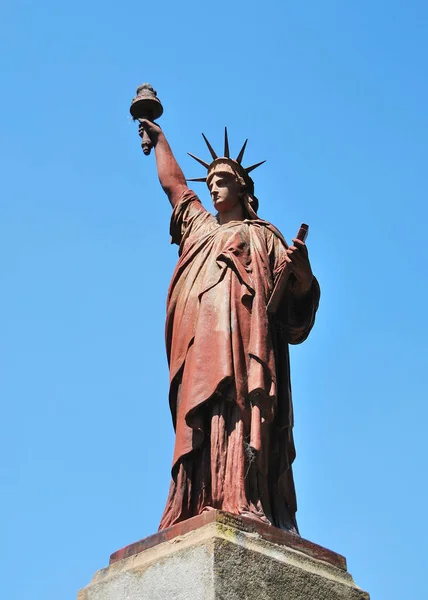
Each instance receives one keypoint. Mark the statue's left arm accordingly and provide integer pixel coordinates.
(300, 300)
(299, 312)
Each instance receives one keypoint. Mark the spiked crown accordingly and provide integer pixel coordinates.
(234, 163)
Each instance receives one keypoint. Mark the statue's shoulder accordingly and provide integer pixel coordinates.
(270, 230)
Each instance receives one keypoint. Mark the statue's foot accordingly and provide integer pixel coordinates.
(257, 517)
(207, 509)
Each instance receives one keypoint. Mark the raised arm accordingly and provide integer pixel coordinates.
(170, 175)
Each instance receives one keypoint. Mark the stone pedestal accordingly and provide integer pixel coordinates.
(217, 556)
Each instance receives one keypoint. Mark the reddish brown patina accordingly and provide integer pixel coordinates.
(230, 392)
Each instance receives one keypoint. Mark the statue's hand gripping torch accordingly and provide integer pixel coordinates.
(146, 105)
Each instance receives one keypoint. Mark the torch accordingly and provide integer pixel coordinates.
(146, 105)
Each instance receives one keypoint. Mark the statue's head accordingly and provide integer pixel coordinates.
(228, 181)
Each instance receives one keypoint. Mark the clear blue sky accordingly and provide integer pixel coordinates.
(334, 95)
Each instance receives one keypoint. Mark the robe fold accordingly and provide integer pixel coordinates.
(230, 394)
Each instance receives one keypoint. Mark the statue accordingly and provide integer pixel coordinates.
(227, 346)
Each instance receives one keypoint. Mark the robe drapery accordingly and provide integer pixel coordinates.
(230, 393)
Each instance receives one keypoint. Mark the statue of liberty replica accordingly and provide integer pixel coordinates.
(239, 296)
(230, 393)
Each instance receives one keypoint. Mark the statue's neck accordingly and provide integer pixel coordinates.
(237, 213)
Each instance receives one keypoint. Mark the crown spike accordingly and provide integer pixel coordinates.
(249, 169)
(202, 162)
(241, 154)
(226, 144)
(202, 179)
(210, 148)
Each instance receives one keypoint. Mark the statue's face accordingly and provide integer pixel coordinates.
(224, 188)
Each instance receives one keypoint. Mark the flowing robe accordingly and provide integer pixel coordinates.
(230, 393)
